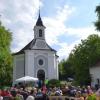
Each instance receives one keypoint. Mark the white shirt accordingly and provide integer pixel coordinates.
(1, 98)
(30, 98)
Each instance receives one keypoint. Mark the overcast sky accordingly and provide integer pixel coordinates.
(66, 21)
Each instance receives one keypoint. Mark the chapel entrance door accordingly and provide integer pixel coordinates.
(41, 74)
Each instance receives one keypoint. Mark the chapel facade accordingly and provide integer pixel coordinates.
(37, 58)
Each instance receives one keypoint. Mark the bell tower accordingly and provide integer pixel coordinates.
(39, 29)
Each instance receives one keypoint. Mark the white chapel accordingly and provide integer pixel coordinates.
(37, 58)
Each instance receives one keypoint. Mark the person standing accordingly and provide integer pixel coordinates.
(1, 97)
(31, 97)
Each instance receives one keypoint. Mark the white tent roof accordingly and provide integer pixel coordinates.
(26, 79)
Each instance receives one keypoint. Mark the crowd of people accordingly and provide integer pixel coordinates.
(20, 92)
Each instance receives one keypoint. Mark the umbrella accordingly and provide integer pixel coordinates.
(26, 79)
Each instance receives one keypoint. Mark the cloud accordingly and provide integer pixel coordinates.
(81, 33)
(65, 49)
(20, 17)
(56, 24)
(64, 12)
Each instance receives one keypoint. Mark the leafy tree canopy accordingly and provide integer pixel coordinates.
(65, 70)
(97, 23)
(83, 56)
(5, 56)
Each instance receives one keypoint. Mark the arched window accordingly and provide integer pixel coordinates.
(40, 33)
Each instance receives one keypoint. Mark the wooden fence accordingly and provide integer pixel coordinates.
(61, 98)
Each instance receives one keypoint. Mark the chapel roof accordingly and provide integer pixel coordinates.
(29, 47)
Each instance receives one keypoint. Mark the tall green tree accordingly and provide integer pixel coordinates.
(84, 56)
(5, 56)
(65, 70)
(97, 23)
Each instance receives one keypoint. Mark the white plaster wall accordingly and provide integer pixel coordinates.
(57, 72)
(18, 68)
(51, 72)
(55, 66)
(52, 69)
(26, 62)
(29, 62)
(14, 69)
(95, 72)
(39, 54)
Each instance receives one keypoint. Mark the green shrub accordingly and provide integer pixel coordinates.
(53, 83)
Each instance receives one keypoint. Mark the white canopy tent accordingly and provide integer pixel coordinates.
(26, 79)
